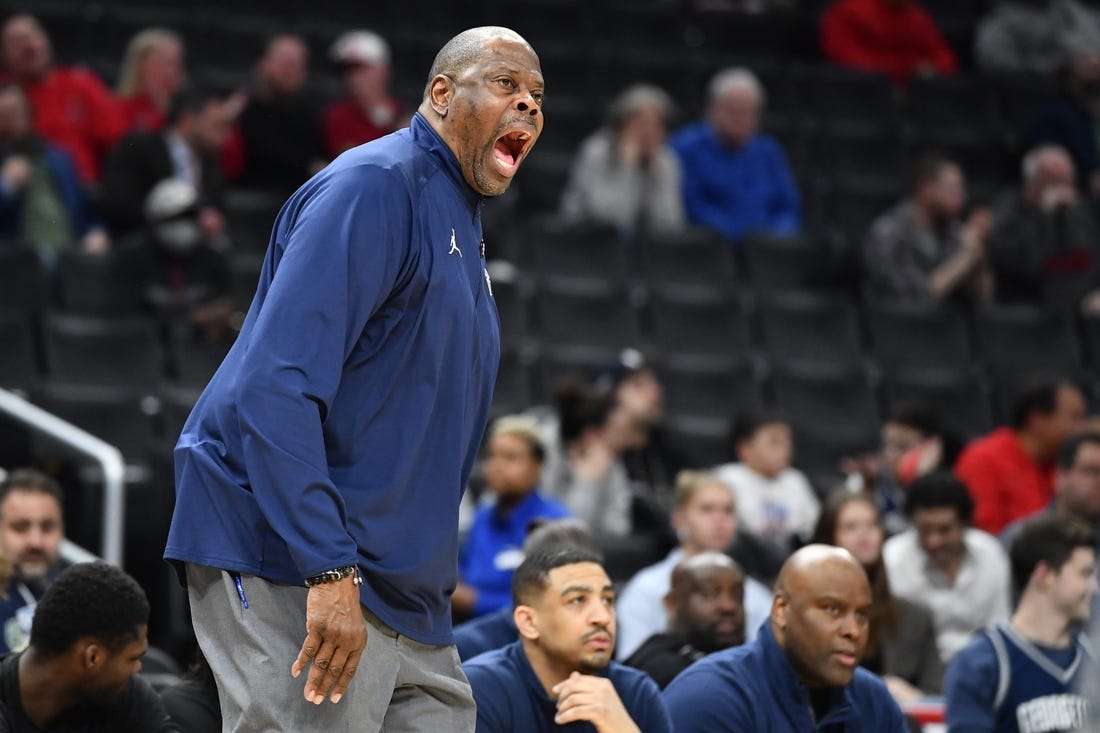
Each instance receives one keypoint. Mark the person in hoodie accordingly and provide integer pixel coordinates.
(801, 673)
(319, 475)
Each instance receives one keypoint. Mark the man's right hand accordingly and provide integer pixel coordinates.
(16, 171)
(336, 635)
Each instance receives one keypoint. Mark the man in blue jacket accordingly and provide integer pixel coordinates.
(331, 448)
(801, 672)
(559, 675)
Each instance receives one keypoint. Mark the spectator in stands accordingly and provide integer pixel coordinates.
(368, 111)
(1035, 35)
(31, 530)
(80, 670)
(42, 201)
(1043, 247)
(899, 629)
(152, 73)
(894, 37)
(651, 461)
(626, 174)
(181, 274)
(279, 128)
(1010, 472)
(588, 475)
(493, 548)
(913, 443)
(706, 613)
(498, 629)
(802, 673)
(186, 150)
(736, 179)
(960, 573)
(705, 520)
(1025, 675)
(560, 670)
(72, 108)
(921, 250)
(1076, 488)
(1070, 119)
(774, 500)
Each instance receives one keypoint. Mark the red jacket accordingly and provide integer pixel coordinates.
(345, 125)
(77, 113)
(1004, 481)
(876, 35)
(141, 114)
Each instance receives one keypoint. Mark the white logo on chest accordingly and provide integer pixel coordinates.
(454, 246)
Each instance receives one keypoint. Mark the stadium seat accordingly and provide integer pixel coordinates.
(192, 357)
(785, 263)
(175, 406)
(598, 316)
(865, 161)
(702, 442)
(250, 216)
(712, 391)
(699, 324)
(910, 336)
(810, 327)
(513, 305)
(581, 253)
(952, 108)
(838, 404)
(693, 260)
(19, 357)
(962, 399)
(845, 100)
(24, 280)
(103, 351)
(512, 393)
(116, 414)
(1019, 342)
(96, 284)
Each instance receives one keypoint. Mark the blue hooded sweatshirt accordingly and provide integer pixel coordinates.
(343, 424)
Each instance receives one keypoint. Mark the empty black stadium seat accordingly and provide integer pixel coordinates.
(250, 216)
(116, 414)
(19, 355)
(710, 390)
(785, 263)
(810, 327)
(838, 403)
(193, 357)
(513, 303)
(1018, 342)
(24, 280)
(513, 384)
(955, 107)
(98, 283)
(846, 100)
(581, 253)
(600, 317)
(108, 351)
(694, 259)
(911, 336)
(699, 323)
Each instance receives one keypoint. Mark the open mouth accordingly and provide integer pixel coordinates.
(508, 150)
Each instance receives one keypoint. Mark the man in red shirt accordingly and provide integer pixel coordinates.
(895, 37)
(368, 111)
(72, 107)
(1010, 472)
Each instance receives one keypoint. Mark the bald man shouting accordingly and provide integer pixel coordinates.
(318, 477)
(801, 672)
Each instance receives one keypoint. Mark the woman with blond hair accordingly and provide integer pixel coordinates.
(152, 72)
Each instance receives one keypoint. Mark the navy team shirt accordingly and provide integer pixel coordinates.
(1001, 682)
(343, 424)
(511, 699)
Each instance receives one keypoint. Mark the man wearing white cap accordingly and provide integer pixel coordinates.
(368, 111)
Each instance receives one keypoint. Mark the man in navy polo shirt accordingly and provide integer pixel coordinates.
(560, 671)
(801, 673)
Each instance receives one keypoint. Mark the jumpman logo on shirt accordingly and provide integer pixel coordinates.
(454, 246)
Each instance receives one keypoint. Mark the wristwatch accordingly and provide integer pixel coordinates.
(331, 576)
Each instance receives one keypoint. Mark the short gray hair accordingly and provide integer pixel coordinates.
(731, 78)
(1029, 167)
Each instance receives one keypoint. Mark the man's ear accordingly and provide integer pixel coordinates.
(781, 606)
(91, 654)
(526, 619)
(441, 92)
